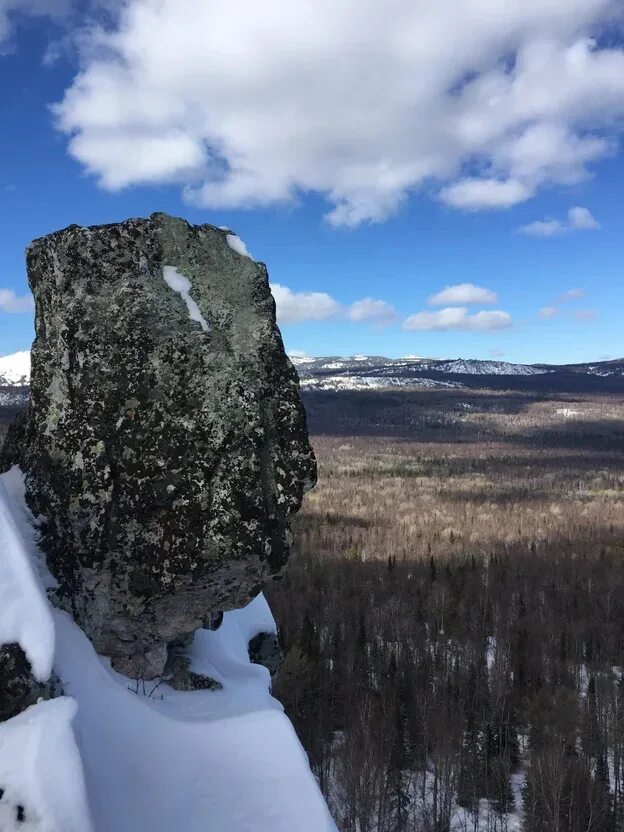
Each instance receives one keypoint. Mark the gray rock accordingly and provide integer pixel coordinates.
(266, 650)
(166, 452)
(178, 673)
(18, 687)
(11, 448)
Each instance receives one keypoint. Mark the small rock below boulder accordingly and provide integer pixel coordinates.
(18, 687)
(265, 649)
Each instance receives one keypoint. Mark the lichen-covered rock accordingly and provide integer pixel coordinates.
(18, 687)
(166, 446)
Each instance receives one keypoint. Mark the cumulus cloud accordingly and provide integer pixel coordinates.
(549, 312)
(11, 302)
(579, 219)
(484, 194)
(377, 312)
(458, 318)
(252, 104)
(496, 353)
(462, 293)
(296, 307)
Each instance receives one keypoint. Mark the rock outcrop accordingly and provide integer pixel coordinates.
(165, 444)
(266, 650)
(18, 686)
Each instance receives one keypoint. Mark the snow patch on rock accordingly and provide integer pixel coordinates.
(238, 245)
(182, 285)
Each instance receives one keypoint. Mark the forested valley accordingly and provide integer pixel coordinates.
(453, 619)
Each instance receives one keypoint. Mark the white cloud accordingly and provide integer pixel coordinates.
(377, 312)
(251, 104)
(549, 312)
(572, 294)
(10, 302)
(485, 194)
(495, 353)
(462, 293)
(543, 228)
(296, 307)
(458, 318)
(579, 219)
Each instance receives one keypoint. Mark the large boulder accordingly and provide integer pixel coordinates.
(166, 444)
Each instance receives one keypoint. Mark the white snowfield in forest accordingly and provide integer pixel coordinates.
(152, 759)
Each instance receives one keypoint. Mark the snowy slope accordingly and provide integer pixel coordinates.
(356, 382)
(41, 771)
(25, 614)
(154, 758)
(480, 368)
(15, 369)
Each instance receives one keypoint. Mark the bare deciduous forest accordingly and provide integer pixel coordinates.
(453, 619)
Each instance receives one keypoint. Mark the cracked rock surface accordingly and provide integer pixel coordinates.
(165, 443)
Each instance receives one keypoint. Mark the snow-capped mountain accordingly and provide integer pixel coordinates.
(15, 369)
(360, 372)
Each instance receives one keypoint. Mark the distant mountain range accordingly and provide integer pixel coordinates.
(369, 372)
(363, 372)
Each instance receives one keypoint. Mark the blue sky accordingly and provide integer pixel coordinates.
(368, 169)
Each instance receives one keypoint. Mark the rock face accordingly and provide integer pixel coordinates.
(18, 687)
(165, 444)
(265, 649)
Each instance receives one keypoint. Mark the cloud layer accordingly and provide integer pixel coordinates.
(248, 104)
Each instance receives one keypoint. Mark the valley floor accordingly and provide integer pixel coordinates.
(454, 617)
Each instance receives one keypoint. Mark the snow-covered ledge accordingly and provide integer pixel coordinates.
(112, 754)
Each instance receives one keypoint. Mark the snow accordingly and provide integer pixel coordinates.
(25, 615)
(182, 285)
(153, 757)
(194, 761)
(41, 771)
(238, 245)
(14, 397)
(346, 382)
(298, 359)
(15, 368)
(495, 368)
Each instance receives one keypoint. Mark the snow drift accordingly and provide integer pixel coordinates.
(119, 754)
